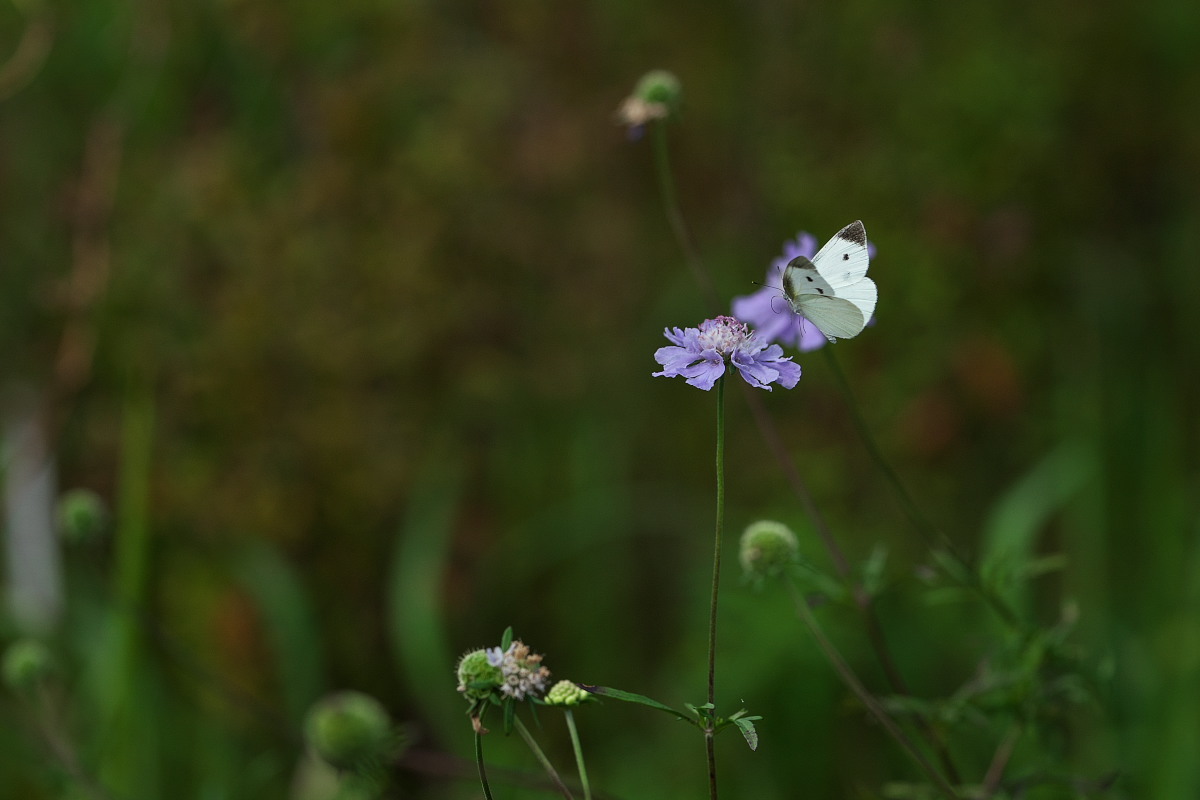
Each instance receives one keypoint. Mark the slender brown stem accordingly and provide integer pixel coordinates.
(995, 771)
(865, 697)
(666, 187)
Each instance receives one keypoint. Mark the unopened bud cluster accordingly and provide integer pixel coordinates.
(348, 729)
(767, 549)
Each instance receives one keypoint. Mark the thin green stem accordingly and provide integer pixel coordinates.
(716, 583)
(583, 776)
(541, 757)
(487, 789)
(865, 697)
(666, 188)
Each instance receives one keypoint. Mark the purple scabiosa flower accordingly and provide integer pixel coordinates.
(771, 314)
(699, 355)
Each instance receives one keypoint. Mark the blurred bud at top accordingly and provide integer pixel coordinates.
(660, 86)
(27, 662)
(767, 549)
(566, 693)
(656, 96)
(477, 676)
(350, 730)
(82, 516)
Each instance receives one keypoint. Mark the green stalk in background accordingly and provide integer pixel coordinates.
(865, 697)
(541, 757)
(128, 760)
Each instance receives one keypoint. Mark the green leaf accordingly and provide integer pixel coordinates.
(510, 715)
(1010, 538)
(630, 697)
(506, 639)
(746, 726)
(873, 570)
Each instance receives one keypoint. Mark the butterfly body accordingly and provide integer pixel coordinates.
(832, 289)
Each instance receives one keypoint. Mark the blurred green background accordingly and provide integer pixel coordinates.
(348, 310)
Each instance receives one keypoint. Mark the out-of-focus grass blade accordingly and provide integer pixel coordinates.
(129, 750)
(288, 617)
(1021, 514)
(415, 624)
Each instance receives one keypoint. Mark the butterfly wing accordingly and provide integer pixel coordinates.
(836, 317)
(863, 295)
(843, 261)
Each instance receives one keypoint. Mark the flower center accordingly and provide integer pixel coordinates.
(723, 334)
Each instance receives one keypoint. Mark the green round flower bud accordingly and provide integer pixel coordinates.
(82, 516)
(565, 693)
(26, 663)
(659, 86)
(767, 548)
(348, 729)
(477, 678)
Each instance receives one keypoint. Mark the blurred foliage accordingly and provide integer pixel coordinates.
(348, 308)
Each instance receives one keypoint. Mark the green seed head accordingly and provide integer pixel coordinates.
(661, 87)
(767, 548)
(476, 677)
(26, 663)
(565, 693)
(82, 516)
(348, 729)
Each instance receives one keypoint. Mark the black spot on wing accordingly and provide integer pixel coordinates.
(819, 289)
(854, 232)
(809, 277)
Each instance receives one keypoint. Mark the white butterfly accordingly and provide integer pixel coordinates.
(833, 290)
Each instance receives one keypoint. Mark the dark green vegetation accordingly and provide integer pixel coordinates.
(348, 310)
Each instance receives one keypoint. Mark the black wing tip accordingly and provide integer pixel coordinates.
(854, 232)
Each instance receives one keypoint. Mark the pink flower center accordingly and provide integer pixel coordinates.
(723, 334)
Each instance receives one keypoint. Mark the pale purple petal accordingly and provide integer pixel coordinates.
(755, 372)
(704, 374)
(789, 373)
(674, 359)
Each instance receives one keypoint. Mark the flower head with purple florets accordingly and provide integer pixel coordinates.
(773, 320)
(700, 354)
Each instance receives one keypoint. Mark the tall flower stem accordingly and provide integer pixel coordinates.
(716, 583)
(865, 697)
(583, 776)
(770, 434)
(541, 757)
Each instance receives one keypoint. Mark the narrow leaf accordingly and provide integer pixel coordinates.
(746, 726)
(630, 697)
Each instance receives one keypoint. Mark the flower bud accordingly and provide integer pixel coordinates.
(656, 97)
(348, 729)
(661, 87)
(477, 676)
(26, 663)
(767, 548)
(82, 516)
(565, 693)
